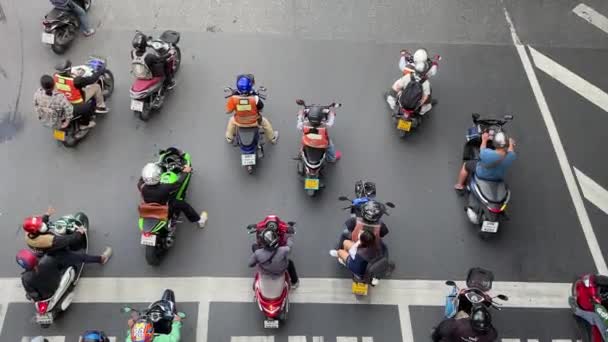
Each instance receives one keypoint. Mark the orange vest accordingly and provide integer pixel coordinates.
(66, 86)
(360, 225)
(245, 109)
(318, 139)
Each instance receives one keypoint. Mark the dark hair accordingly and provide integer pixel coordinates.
(47, 83)
(367, 238)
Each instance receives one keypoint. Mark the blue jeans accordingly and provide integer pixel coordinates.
(331, 151)
(80, 13)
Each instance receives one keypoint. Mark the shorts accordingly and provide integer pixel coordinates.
(470, 166)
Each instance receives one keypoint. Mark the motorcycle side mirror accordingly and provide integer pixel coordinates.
(508, 117)
(262, 88)
(450, 283)
(475, 116)
(390, 204)
(251, 226)
(227, 90)
(291, 223)
(300, 102)
(126, 309)
(291, 230)
(337, 105)
(343, 198)
(437, 57)
(502, 297)
(181, 315)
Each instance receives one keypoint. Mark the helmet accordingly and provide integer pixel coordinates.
(26, 259)
(140, 41)
(315, 115)
(372, 211)
(270, 238)
(500, 140)
(481, 321)
(142, 331)
(94, 336)
(34, 225)
(244, 84)
(420, 59)
(64, 67)
(151, 174)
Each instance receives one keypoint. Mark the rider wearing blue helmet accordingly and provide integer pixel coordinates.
(94, 336)
(247, 107)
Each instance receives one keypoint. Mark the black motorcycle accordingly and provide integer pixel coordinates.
(160, 314)
(61, 27)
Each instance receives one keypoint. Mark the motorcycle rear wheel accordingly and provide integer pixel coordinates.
(144, 115)
(108, 87)
(153, 255)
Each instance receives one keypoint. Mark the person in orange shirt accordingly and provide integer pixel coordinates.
(247, 107)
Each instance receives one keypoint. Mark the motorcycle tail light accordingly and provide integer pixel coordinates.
(41, 307)
(497, 210)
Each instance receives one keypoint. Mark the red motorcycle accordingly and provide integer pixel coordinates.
(590, 295)
(272, 294)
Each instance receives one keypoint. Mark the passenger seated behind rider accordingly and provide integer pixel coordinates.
(421, 69)
(273, 260)
(492, 164)
(477, 328)
(156, 62)
(247, 107)
(43, 240)
(53, 108)
(356, 255)
(153, 191)
(41, 278)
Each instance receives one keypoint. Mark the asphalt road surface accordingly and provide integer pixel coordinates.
(321, 51)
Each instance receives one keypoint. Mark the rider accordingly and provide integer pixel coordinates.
(356, 255)
(478, 327)
(493, 163)
(247, 107)
(53, 107)
(420, 62)
(418, 72)
(371, 213)
(80, 89)
(272, 259)
(153, 191)
(155, 60)
(41, 278)
(94, 336)
(72, 6)
(43, 240)
(322, 118)
(144, 331)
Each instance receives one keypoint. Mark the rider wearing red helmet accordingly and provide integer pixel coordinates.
(41, 277)
(143, 331)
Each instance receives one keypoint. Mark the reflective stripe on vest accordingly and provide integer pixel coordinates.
(319, 139)
(66, 86)
(246, 112)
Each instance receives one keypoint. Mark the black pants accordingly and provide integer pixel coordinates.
(291, 269)
(70, 258)
(84, 111)
(179, 206)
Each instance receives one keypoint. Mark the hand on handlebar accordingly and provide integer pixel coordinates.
(187, 169)
(485, 136)
(65, 124)
(177, 318)
(512, 143)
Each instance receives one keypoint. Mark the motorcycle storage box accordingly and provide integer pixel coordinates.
(480, 278)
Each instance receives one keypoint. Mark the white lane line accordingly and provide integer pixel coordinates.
(296, 339)
(317, 339)
(592, 16)
(510, 340)
(202, 321)
(367, 339)
(49, 338)
(592, 191)
(3, 309)
(346, 339)
(577, 200)
(571, 80)
(405, 321)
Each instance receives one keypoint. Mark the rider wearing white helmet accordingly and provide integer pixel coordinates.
(420, 63)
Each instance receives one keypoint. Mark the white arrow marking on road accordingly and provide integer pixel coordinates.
(592, 16)
(592, 191)
(571, 80)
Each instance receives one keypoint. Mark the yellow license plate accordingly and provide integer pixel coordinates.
(359, 289)
(59, 135)
(311, 184)
(404, 125)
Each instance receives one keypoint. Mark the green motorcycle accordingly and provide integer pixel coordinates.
(156, 222)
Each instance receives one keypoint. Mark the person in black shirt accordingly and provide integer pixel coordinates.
(476, 328)
(41, 277)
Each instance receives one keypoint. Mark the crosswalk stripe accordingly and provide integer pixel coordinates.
(367, 339)
(346, 339)
(252, 339)
(296, 339)
(49, 338)
(510, 340)
(317, 339)
(592, 16)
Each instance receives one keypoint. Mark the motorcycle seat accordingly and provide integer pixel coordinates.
(142, 84)
(495, 192)
(69, 275)
(271, 287)
(171, 37)
(57, 14)
(314, 155)
(247, 135)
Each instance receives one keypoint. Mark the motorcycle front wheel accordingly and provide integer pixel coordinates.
(107, 83)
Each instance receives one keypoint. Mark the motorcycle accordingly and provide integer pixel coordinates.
(61, 27)
(272, 294)
(156, 223)
(364, 192)
(406, 120)
(148, 92)
(249, 139)
(460, 302)
(160, 314)
(486, 200)
(47, 309)
(582, 296)
(73, 133)
(312, 157)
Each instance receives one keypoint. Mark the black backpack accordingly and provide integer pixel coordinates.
(411, 95)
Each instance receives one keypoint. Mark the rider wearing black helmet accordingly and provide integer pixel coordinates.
(94, 336)
(371, 219)
(323, 119)
(478, 327)
(272, 259)
(155, 60)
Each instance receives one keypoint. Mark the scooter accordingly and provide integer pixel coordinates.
(364, 192)
(148, 92)
(459, 302)
(73, 133)
(156, 223)
(249, 139)
(61, 27)
(486, 200)
(272, 293)
(589, 293)
(160, 314)
(313, 152)
(48, 309)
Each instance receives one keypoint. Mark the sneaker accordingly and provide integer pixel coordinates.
(295, 285)
(333, 253)
(203, 220)
(89, 126)
(276, 137)
(375, 281)
(89, 32)
(106, 255)
(171, 84)
(101, 110)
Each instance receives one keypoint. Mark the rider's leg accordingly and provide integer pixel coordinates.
(269, 133)
(230, 130)
(94, 91)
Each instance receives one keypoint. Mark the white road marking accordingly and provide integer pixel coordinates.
(346, 339)
(405, 321)
(317, 339)
(251, 339)
(49, 338)
(367, 339)
(592, 191)
(296, 339)
(202, 321)
(577, 199)
(510, 340)
(571, 80)
(592, 16)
